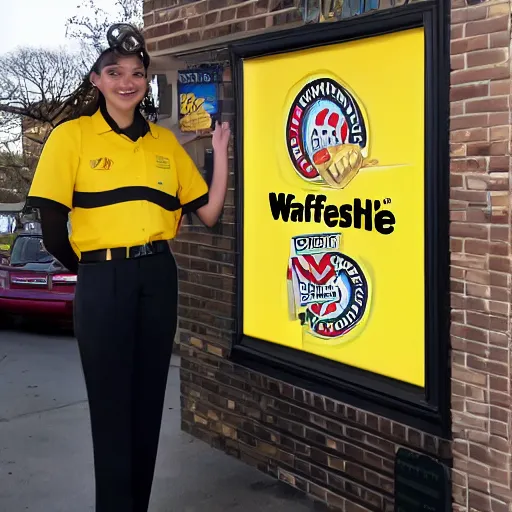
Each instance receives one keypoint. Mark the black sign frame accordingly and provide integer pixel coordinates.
(425, 408)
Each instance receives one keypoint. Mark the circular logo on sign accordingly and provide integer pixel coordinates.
(328, 290)
(326, 134)
(347, 282)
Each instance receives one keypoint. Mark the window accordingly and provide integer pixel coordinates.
(28, 249)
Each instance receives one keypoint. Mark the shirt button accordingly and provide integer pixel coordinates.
(136, 150)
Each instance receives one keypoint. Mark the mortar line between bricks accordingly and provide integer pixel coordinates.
(210, 366)
(196, 322)
(285, 433)
(188, 231)
(41, 411)
(483, 270)
(208, 288)
(204, 272)
(230, 331)
(199, 229)
(214, 301)
(180, 263)
(209, 246)
(218, 342)
(485, 224)
(193, 284)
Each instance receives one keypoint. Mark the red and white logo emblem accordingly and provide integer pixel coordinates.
(327, 289)
(325, 126)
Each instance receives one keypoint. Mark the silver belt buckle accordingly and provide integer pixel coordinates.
(146, 250)
(138, 251)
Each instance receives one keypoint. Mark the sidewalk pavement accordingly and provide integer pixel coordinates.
(46, 452)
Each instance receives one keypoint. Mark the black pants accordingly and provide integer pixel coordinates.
(125, 322)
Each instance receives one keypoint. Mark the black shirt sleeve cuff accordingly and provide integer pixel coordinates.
(194, 205)
(54, 224)
(43, 202)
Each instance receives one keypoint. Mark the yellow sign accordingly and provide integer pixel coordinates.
(333, 220)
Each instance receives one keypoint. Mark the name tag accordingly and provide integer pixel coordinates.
(162, 162)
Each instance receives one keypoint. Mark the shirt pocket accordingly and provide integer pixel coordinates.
(161, 173)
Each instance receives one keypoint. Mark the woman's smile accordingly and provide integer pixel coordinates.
(127, 93)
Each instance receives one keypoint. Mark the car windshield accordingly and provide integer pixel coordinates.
(29, 249)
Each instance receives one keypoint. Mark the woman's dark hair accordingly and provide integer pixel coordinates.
(87, 98)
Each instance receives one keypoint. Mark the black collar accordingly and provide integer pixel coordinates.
(137, 129)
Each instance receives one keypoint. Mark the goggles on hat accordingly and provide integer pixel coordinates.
(127, 40)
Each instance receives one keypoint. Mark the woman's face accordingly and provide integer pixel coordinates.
(123, 83)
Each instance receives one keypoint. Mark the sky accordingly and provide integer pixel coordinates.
(38, 22)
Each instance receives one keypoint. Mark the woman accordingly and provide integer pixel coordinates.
(126, 184)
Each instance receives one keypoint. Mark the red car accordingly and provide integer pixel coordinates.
(33, 284)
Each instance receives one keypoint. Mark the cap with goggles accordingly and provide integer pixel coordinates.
(127, 40)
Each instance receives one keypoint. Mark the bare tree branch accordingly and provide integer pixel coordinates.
(36, 86)
(33, 82)
(91, 27)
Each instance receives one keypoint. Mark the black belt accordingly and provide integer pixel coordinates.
(122, 253)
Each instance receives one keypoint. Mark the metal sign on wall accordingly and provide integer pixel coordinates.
(198, 98)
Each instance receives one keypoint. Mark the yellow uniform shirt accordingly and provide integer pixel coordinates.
(120, 193)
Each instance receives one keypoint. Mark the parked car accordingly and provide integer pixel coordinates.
(33, 284)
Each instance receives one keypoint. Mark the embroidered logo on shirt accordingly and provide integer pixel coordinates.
(102, 164)
(162, 162)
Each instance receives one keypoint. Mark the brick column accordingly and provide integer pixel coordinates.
(480, 244)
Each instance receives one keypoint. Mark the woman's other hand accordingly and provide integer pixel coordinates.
(209, 214)
(220, 137)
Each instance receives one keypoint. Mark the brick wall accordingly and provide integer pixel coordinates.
(340, 455)
(480, 243)
(171, 25)
(174, 23)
